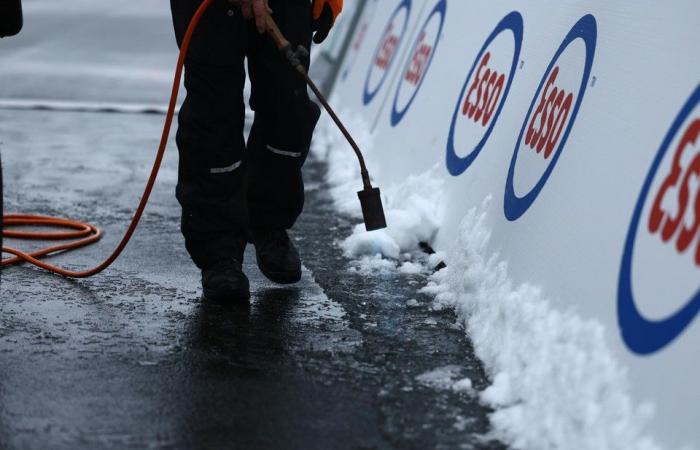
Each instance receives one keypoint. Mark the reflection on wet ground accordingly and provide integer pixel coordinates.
(133, 358)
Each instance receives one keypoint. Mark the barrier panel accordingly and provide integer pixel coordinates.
(582, 121)
(326, 57)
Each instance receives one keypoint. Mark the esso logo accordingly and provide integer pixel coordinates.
(547, 123)
(550, 118)
(659, 288)
(387, 50)
(358, 39)
(421, 56)
(484, 93)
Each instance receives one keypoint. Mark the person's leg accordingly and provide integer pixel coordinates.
(211, 177)
(279, 141)
(285, 119)
(210, 135)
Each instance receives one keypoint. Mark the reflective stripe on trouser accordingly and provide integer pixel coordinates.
(223, 188)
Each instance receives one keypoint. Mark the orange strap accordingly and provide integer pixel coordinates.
(336, 7)
(85, 233)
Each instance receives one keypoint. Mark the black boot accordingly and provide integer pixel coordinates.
(277, 257)
(225, 281)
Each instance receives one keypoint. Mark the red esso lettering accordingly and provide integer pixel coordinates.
(677, 227)
(484, 93)
(360, 37)
(549, 118)
(419, 61)
(388, 48)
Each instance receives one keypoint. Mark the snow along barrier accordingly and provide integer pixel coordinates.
(553, 150)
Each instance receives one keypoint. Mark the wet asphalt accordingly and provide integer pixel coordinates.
(134, 358)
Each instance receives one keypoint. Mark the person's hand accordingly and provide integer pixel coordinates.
(324, 15)
(255, 9)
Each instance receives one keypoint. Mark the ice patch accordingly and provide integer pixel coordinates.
(446, 378)
(440, 378)
(372, 265)
(463, 385)
(545, 364)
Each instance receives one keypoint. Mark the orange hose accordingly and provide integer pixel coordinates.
(86, 233)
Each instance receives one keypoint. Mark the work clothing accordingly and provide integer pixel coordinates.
(10, 17)
(226, 186)
(225, 281)
(10, 24)
(324, 14)
(277, 257)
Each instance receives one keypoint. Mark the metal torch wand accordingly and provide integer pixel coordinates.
(370, 198)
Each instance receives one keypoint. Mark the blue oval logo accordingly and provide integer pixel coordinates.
(483, 95)
(643, 336)
(547, 128)
(358, 38)
(387, 49)
(417, 66)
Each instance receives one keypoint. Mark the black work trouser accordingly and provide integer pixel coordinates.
(10, 17)
(227, 187)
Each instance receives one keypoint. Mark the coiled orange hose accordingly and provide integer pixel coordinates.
(87, 234)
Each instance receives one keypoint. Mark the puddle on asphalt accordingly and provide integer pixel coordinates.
(305, 306)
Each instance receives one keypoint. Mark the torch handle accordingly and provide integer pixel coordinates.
(285, 47)
(276, 35)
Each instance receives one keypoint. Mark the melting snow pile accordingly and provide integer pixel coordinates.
(412, 208)
(555, 382)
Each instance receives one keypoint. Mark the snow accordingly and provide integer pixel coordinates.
(440, 378)
(413, 303)
(372, 265)
(411, 268)
(375, 243)
(412, 218)
(446, 378)
(436, 259)
(463, 385)
(544, 363)
(330, 146)
(413, 207)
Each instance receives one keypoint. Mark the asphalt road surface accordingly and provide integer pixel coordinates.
(133, 358)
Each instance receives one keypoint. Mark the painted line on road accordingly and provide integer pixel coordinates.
(89, 107)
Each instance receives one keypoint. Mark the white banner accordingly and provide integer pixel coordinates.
(582, 121)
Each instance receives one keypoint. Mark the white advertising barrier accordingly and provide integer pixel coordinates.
(389, 41)
(582, 121)
(332, 47)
